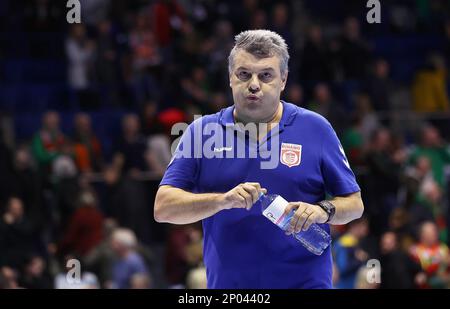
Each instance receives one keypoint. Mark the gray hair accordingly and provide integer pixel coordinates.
(261, 44)
(125, 237)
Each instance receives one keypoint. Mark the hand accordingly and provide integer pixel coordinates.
(305, 215)
(243, 195)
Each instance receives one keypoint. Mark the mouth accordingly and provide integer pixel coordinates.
(253, 98)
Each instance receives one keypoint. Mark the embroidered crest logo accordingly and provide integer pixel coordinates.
(291, 154)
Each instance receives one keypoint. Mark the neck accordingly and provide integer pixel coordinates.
(272, 119)
(263, 124)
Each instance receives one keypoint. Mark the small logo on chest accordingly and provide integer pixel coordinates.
(291, 154)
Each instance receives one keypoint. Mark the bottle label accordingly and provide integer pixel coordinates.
(275, 211)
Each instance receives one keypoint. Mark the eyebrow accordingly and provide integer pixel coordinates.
(265, 69)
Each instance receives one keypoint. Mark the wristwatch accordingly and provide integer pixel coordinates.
(329, 208)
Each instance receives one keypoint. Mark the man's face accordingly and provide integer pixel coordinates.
(51, 121)
(256, 85)
(429, 234)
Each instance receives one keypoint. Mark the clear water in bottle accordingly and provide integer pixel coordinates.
(315, 239)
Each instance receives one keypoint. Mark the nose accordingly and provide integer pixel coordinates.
(253, 85)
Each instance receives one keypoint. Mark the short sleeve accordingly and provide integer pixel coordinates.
(182, 170)
(337, 174)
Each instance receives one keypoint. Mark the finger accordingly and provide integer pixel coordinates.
(252, 191)
(303, 216)
(256, 185)
(247, 196)
(289, 208)
(294, 221)
(311, 219)
(242, 203)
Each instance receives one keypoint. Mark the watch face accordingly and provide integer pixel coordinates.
(328, 208)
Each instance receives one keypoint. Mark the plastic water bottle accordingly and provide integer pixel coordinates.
(315, 239)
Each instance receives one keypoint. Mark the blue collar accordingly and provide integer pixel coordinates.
(289, 112)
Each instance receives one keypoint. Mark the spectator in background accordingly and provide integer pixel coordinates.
(258, 20)
(64, 185)
(432, 256)
(85, 227)
(63, 166)
(215, 52)
(324, 104)
(8, 278)
(281, 23)
(47, 144)
(26, 185)
(295, 94)
(196, 88)
(87, 147)
(167, 17)
(429, 206)
(80, 53)
(184, 252)
(140, 281)
(130, 148)
(128, 262)
(145, 59)
(191, 43)
(369, 119)
(16, 235)
(353, 51)
(159, 153)
(149, 119)
(35, 275)
(385, 167)
(353, 142)
(100, 259)
(400, 224)
(315, 61)
(429, 88)
(415, 178)
(107, 61)
(355, 139)
(127, 200)
(348, 254)
(434, 148)
(398, 270)
(379, 86)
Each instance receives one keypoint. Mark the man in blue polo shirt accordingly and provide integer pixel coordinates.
(260, 144)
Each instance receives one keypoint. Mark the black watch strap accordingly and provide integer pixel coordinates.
(329, 208)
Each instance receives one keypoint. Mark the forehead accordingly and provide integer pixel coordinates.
(249, 61)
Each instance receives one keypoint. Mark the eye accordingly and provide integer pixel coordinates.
(243, 75)
(266, 76)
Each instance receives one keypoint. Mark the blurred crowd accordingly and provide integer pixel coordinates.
(71, 192)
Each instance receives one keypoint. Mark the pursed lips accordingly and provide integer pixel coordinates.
(252, 97)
